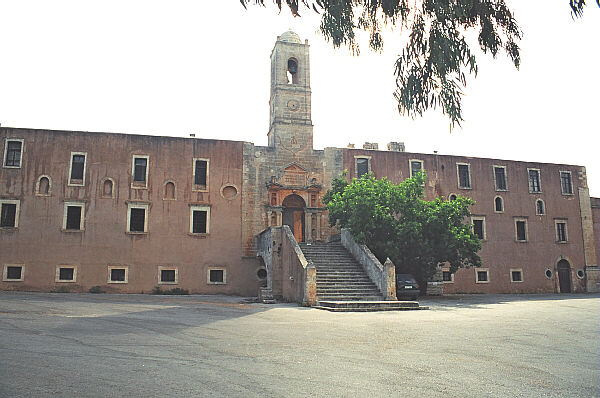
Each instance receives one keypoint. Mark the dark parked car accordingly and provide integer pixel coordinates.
(407, 287)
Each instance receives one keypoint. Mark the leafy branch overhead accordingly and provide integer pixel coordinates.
(432, 67)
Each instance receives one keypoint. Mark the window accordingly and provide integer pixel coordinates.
(516, 275)
(118, 274)
(540, 209)
(534, 180)
(500, 178)
(313, 200)
(464, 175)
(416, 166)
(479, 226)
(13, 273)
(137, 217)
(9, 213)
(561, 231)
(13, 151)
(77, 168)
(66, 273)
(74, 216)
(482, 275)
(447, 277)
(292, 71)
(217, 276)
(566, 184)
(273, 198)
(139, 171)
(452, 196)
(43, 186)
(200, 174)
(363, 166)
(199, 219)
(498, 204)
(168, 275)
(521, 229)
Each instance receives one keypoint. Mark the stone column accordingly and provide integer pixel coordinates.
(308, 226)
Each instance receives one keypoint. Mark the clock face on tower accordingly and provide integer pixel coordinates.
(293, 105)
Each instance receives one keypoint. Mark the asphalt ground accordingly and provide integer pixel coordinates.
(84, 345)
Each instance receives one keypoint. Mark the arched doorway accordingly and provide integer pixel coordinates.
(293, 215)
(564, 276)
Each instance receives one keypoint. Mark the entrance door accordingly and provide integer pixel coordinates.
(564, 276)
(293, 215)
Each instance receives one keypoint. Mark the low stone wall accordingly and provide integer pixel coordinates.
(289, 276)
(384, 276)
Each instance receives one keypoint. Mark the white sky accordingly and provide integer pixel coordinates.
(194, 66)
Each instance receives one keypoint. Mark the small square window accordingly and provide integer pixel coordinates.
(137, 218)
(77, 168)
(566, 184)
(217, 276)
(118, 274)
(201, 174)
(521, 230)
(13, 152)
(516, 275)
(482, 276)
(168, 275)
(500, 178)
(362, 166)
(66, 273)
(139, 171)
(9, 213)
(13, 273)
(447, 277)
(199, 219)
(74, 216)
(535, 185)
(464, 175)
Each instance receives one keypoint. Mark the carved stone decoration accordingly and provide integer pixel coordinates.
(295, 176)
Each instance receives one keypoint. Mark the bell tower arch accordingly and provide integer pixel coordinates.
(290, 124)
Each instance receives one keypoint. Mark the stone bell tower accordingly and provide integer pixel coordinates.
(290, 124)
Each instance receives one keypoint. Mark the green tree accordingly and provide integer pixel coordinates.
(396, 221)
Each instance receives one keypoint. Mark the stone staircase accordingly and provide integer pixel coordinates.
(339, 276)
(342, 283)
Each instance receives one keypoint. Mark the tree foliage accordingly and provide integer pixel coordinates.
(431, 70)
(395, 221)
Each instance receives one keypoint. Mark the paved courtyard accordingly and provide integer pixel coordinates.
(69, 345)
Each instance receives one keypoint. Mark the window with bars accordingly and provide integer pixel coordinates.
(464, 176)
(500, 178)
(566, 184)
(13, 152)
(540, 209)
(482, 276)
(561, 231)
(535, 185)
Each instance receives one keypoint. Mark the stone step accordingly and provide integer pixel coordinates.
(367, 306)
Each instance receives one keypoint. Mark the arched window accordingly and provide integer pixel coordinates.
(107, 188)
(43, 186)
(540, 209)
(498, 204)
(169, 191)
(292, 71)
